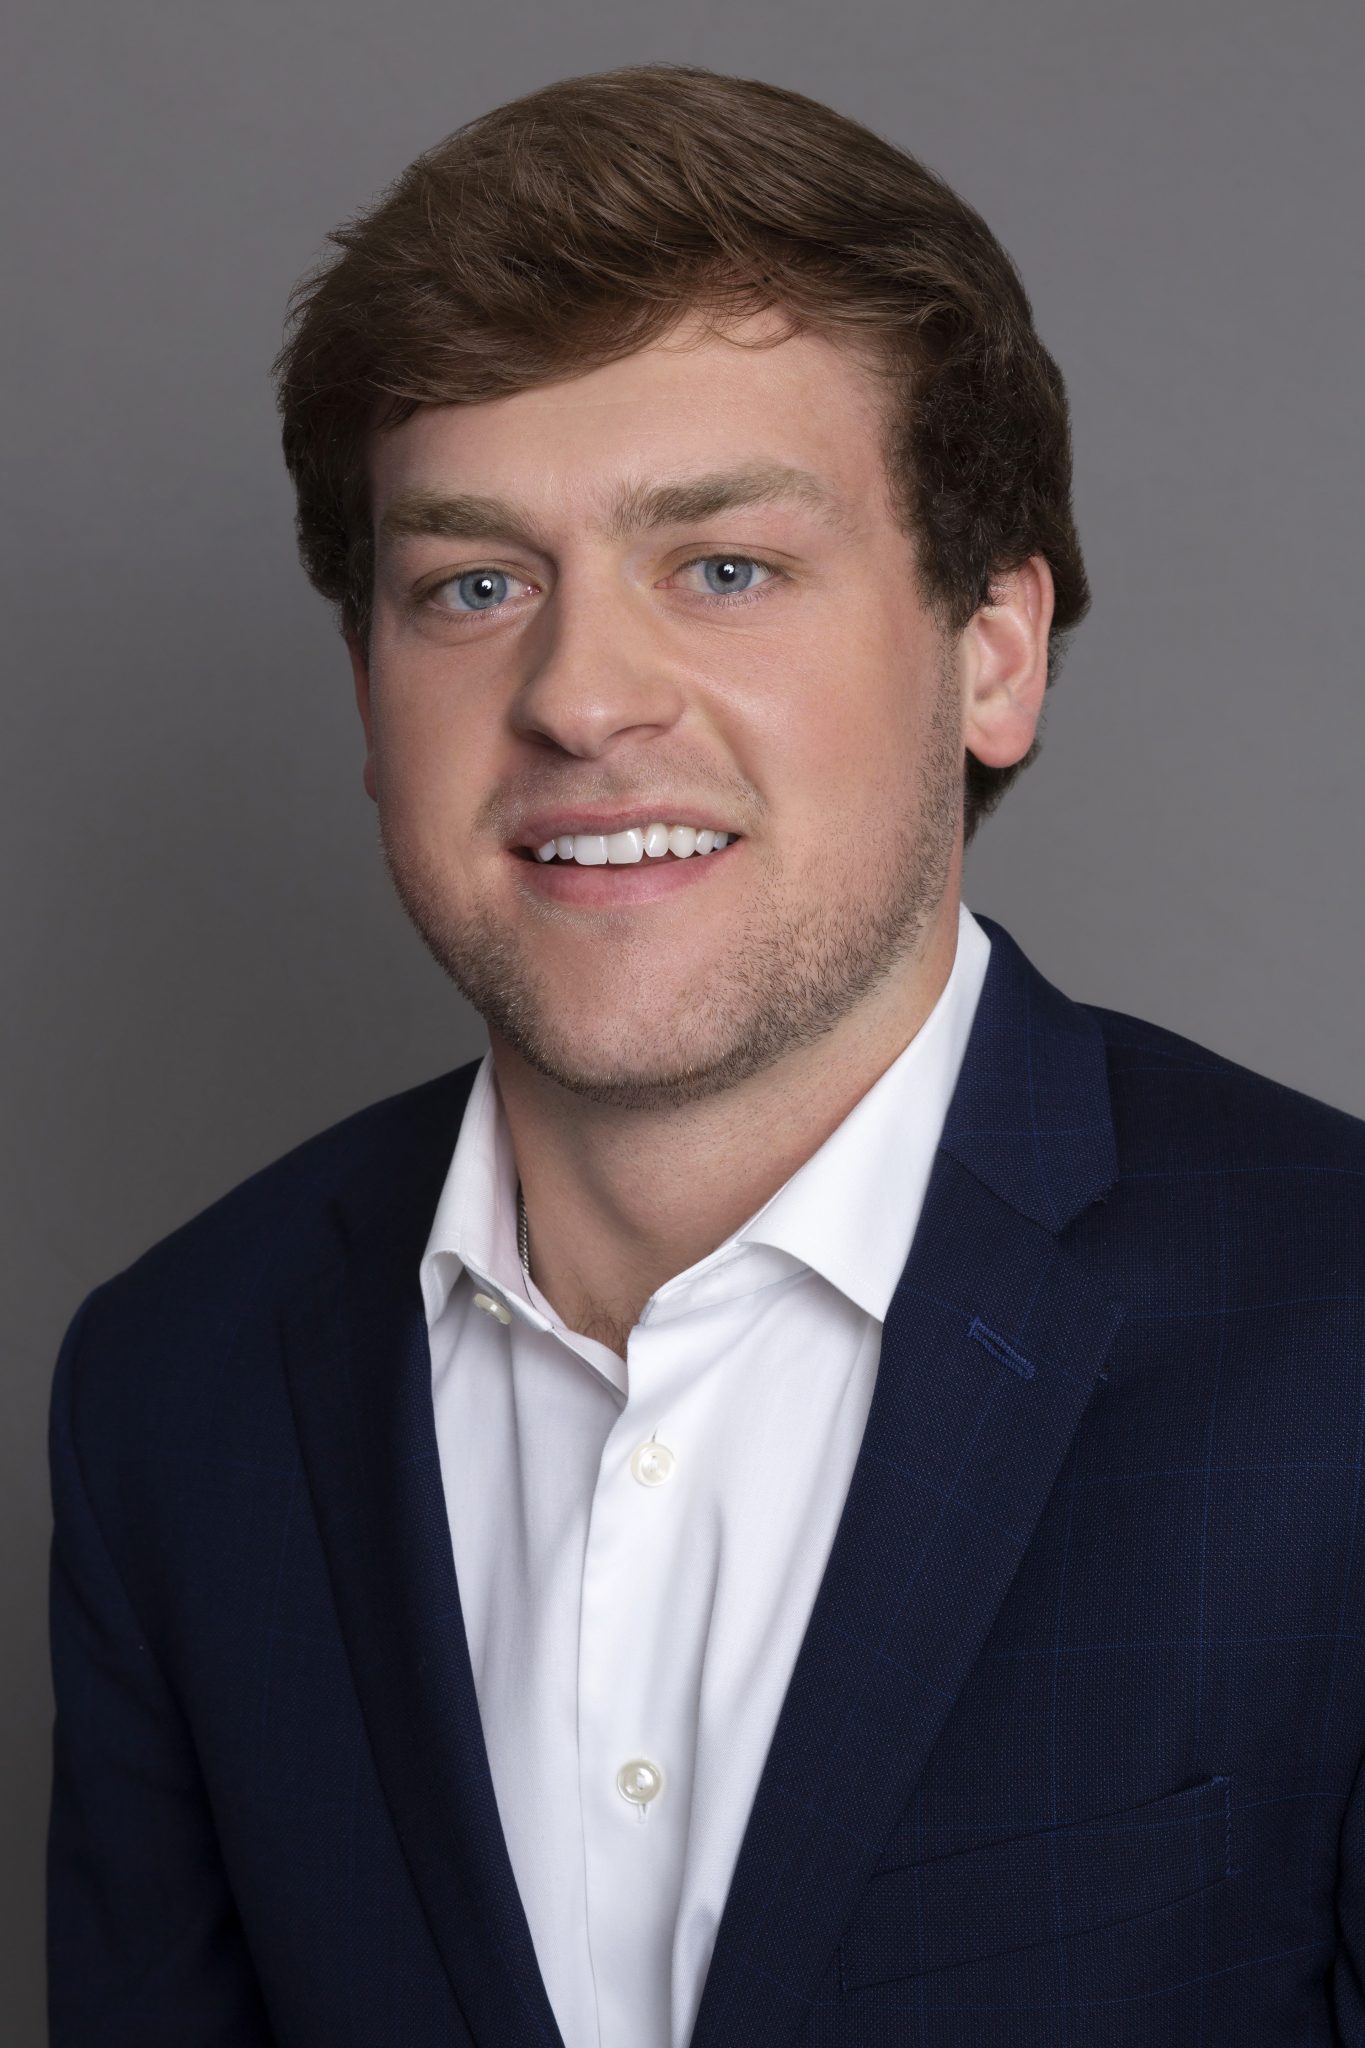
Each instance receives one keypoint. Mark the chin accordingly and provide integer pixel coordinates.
(634, 1074)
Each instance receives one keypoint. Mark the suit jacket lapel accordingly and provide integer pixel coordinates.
(359, 1372)
(991, 1349)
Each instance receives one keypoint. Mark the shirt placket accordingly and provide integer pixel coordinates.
(635, 1686)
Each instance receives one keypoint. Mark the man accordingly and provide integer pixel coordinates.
(814, 1495)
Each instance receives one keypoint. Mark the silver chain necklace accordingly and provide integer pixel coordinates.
(523, 1233)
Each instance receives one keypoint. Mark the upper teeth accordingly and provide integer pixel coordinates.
(596, 849)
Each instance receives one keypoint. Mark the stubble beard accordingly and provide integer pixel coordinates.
(791, 978)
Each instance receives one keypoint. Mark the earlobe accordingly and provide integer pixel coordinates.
(1003, 653)
(360, 675)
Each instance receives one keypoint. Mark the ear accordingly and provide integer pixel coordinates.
(1003, 664)
(360, 672)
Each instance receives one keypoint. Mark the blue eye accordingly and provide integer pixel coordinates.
(479, 590)
(728, 573)
(488, 590)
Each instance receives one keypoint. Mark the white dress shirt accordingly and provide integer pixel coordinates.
(638, 1543)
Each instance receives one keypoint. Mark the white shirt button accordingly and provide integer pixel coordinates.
(493, 1308)
(651, 1463)
(639, 1781)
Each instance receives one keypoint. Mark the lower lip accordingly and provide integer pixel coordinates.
(621, 887)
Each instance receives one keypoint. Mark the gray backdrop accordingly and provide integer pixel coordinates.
(205, 962)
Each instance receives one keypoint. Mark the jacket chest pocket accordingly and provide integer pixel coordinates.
(1046, 1886)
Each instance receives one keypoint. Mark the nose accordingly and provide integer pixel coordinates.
(597, 669)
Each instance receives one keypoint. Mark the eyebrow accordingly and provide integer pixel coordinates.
(637, 508)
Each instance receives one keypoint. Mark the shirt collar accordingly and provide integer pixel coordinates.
(475, 1225)
(849, 1212)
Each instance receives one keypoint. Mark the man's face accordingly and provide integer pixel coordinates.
(671, 591)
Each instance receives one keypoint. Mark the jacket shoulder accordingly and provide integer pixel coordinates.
(1178, 1103)
(221, 1258)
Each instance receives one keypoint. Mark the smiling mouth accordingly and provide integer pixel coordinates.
(623, 885)
(656, 847)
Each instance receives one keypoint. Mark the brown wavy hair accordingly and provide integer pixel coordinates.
(577, 224)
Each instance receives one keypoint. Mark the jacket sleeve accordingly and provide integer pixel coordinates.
(145, 1948)
(1348, 1962)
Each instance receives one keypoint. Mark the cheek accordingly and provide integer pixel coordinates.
(852, 733)
(416, 717)
(428, 785)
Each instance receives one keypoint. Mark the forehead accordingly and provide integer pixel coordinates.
(694, 403)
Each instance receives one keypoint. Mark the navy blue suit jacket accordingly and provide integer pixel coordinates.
(1071, 1752)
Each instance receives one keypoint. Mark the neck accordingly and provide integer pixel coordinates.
(619, 1201)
